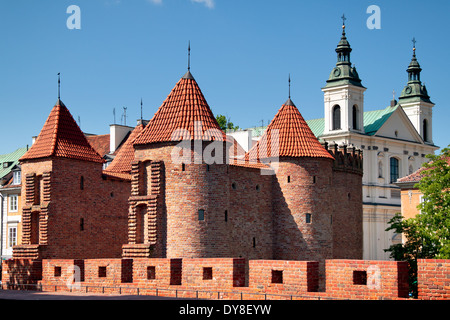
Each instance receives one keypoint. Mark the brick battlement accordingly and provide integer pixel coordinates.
(232, 277)
(346, 158)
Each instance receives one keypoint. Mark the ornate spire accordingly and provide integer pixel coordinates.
(289, 101)
(344, 72)
(414, 90)
(59, 85)
(188, 74)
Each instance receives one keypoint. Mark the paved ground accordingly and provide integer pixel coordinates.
(35, 295)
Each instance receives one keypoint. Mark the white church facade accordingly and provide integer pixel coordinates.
(394, 140)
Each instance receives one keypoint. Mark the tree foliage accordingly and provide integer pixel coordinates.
(427, 235)
(225, 123)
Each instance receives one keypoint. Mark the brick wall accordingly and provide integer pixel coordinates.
(283, 276)
(157, 272)
(20, 271)
(433, 279)
(363, 279)
(345, 279)
(214, 273)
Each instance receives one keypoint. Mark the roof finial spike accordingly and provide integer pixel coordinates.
(59, 85)
(414, 46)
(141, 109)
(289, 85)
(189, 56)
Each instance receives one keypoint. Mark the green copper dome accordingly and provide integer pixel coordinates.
(344, 72)
(414, 91)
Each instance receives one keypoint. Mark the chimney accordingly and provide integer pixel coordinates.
(117, 134)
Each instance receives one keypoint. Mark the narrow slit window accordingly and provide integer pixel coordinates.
(201, 215)
(308, 218)
(226, 215)
(81, 183)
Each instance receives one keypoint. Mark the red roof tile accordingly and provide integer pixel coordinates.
(288, 135)
(123, 159)
(61, 137)
(100, 143)
(184, 110)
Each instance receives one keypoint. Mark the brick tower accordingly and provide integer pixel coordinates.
(301, 187)
(176, 179)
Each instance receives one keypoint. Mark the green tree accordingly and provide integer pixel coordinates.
(427, 235)
(225, 123)
(435, 209)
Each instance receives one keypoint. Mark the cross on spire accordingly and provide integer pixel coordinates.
(343, 19)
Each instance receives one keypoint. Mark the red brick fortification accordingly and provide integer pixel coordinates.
(211, 210)
(230, 278)
(71, 210)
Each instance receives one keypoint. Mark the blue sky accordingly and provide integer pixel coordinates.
(241, 54)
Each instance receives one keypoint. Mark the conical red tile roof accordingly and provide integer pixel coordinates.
(61, 137)
(288, 135)
(123, 159)
(184, 110)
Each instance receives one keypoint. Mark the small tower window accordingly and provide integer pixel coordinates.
(308, 218)
(183, 167)
(201, 215)
(336, 117)
(81, 224)
(226, 215)
(81, 183)
(289, 179)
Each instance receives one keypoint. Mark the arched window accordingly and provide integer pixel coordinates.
(336, 117)
(425, 130)
(394, 168)
(355, 115)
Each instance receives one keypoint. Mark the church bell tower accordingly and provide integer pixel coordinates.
(343, 93)
(416, 102)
